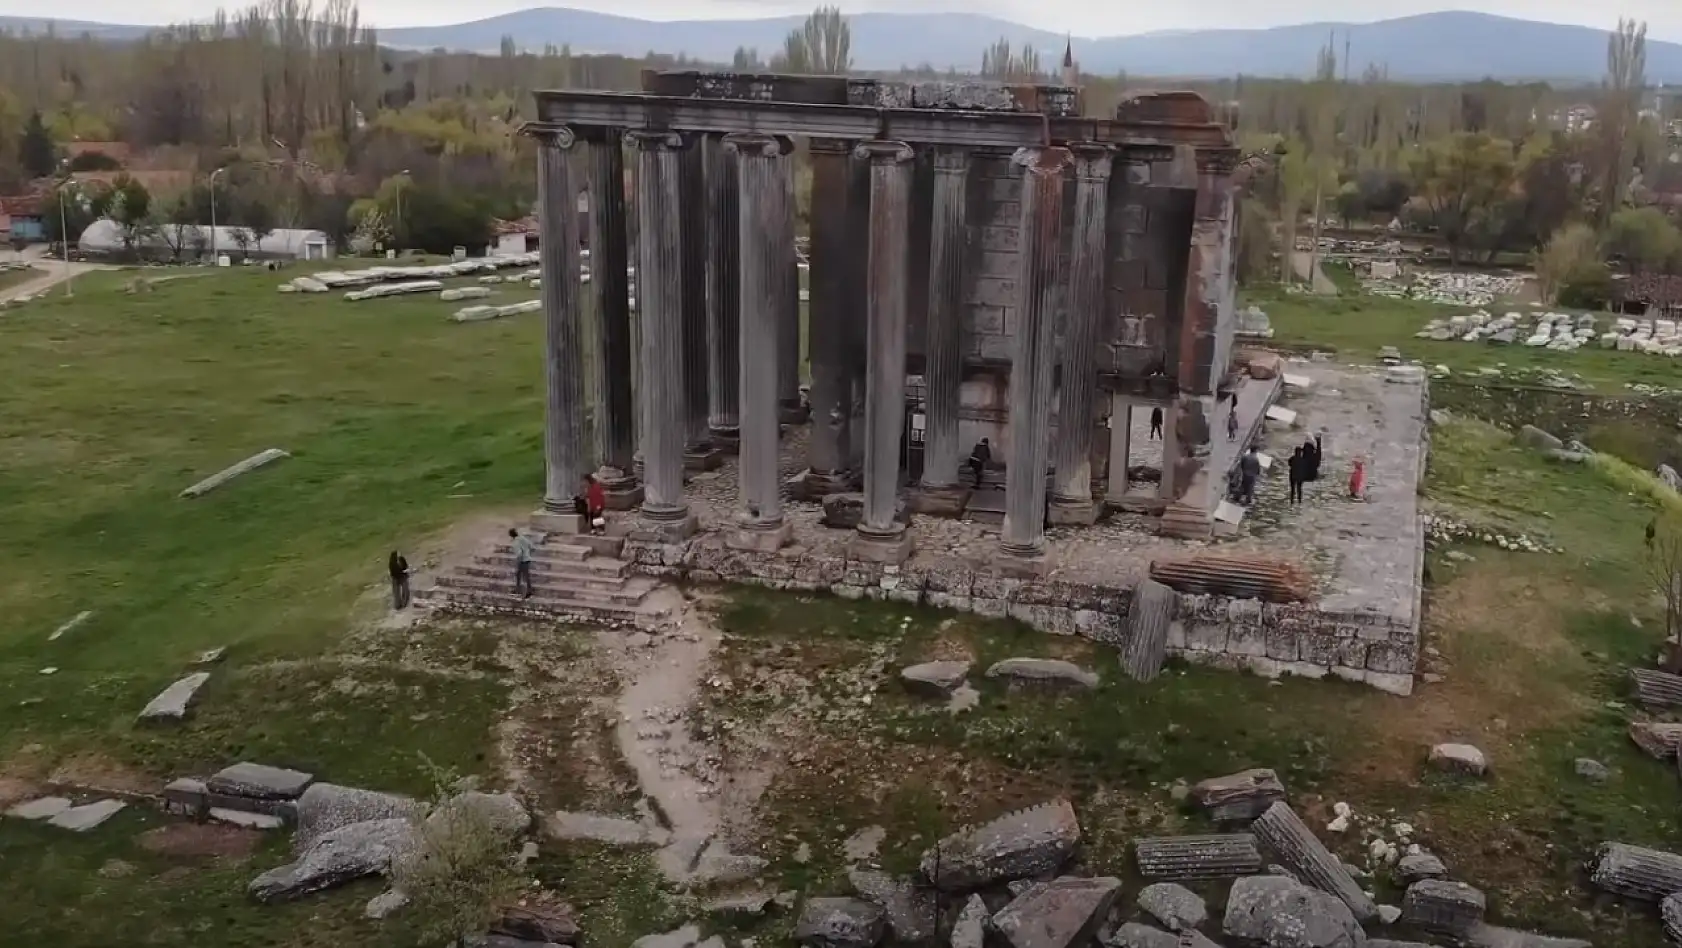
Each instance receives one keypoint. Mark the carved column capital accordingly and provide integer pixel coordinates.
(650, 140)
(550, 136)
(1093, 160)
(884, 152)
(1039, 161)
(948, 160)
(757, 145)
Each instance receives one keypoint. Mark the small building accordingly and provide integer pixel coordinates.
(105, 237)
(23, 218)
(514, 237)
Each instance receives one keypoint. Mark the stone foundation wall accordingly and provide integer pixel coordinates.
(1566, 414)
(1265, 638)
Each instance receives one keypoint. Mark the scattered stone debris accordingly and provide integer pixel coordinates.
(1309, 859)
(1175, 906)
(1062, 913)
(1043, 671)
(1018, 845)
(935, 679)
(173, 703)
(1239, 797)
(395, 289)
(1443, 907)
(1420, 865)
(840, 923)
(1441, 530)
(910, 908)
(1459, 759)
(1637, 872)
(71, 624)
(1186, 858)
(252, 463)
(1279, 911)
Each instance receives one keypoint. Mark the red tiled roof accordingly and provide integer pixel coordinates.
(21, 205)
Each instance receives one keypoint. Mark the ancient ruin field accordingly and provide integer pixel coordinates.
(781, 715)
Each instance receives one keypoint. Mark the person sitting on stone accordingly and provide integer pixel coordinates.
(979, 456)
(595, 501)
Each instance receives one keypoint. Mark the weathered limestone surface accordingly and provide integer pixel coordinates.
(1175, 906)
(173, 703)
(1042, 671)
(1061, 913)
(80, 819)
(1185, 858)
(325, 807)
(1135, 935)
(1438, 905)
(1240, 796)
(911, 909)
(338, 856)
(259, 781)
(1278, 911)
(1303, 853)
(1636, 872)
(1150, 619)
(840, 923)
(1017, 845)
(227, 474)
(934, 679)
(970, 930)
(566, 452)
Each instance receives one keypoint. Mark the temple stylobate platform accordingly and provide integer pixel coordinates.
(985, 262)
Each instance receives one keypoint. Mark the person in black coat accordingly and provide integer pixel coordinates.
(978, 458)
(399, 569)
(1298, 467)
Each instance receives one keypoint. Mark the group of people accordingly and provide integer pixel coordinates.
(1302, 467)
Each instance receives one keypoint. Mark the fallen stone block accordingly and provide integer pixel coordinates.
(479, 314)
(325, 807)
(259, 782)
(1175, 906)
(1533, 437)
(385, 904)
(545, 924)
(1033, 842)
(173, 703)
(1135, 935)
(689, 936)
(252, 463)
(1186, 858)
(1656, 689)
(612, 830)
(1062, 913)
(840, 923)
(1637, 872)
(71, 624)
(1303, 853)
(934, 679)
(1444, 907)
(504, 813)
(1459, 759)
(1148, 621)
(1043, 671)
(970, 930)
(1279, 911)
(457, 294)
(1421, 865)
(911, 910)
(395, 289)
(44, 808)
(80, 819)
(1657, 739)
(1670, 915)
(335, 858)
(1241, 796)
(245, 819)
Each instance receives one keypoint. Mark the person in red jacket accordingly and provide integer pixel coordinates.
(595, 500)
(1358, 480)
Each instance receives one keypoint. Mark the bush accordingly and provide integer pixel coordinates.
(1588, 287)
(95, 161)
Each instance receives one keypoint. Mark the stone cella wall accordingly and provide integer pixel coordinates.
(1265, 638)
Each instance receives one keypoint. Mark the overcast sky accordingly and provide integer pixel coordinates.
(1081, 17)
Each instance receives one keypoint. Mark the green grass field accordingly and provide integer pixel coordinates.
(402, 424)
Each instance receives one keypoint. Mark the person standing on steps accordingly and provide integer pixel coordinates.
(1156, 423)
(399, 569)
(522, 561)
(595, 502)
(978, 458)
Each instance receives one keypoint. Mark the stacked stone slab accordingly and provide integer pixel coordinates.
(1240, 797)
(249, 794)
(1444, 907)
(1303, 853)
(1184, 858)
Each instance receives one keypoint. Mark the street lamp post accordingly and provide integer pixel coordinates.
(402, 179)
(213, 174)
(64, 240)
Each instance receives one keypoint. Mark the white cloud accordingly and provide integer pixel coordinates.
(1081, 17)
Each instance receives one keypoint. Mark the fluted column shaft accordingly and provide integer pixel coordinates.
(788, 310)
(610, 311)
(943, 372)
(692, 214)
(660, 305)
(762, 170)
(723, 291)
(891, 170)
(833, 249)
(1033, 359)
(1076, 396)
(566, 448)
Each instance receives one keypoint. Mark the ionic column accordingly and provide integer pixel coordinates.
(1201, 359)
(1033, 358)
(857, 297)
(723, 286)
(834, 248)
(1071, 499)
(610, 312)
(940, 491)
(762, 174)
(660, 305)
(566, 447)
(698, 451)
(881, 533)
(790, 410)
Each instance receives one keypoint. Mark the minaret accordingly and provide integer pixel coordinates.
(1071, 74)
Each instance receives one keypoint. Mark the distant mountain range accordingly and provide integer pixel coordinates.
(1433, 46)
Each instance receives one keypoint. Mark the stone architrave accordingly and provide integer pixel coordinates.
(881, 536)
(1032, 359)
(940, 490)
(610, 311)
(829, 462)
(1071, 500)
(1203, 355)
(699, 454)
(660, 306)
(762, 169)
(723, 289)
(566, 451)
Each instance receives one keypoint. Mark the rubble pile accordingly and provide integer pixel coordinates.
(1453, 289)
(1562, 332)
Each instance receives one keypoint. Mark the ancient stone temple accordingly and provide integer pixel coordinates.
(985, 262)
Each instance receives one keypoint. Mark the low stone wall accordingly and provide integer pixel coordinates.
(1265, 638)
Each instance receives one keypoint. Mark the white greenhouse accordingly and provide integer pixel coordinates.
(105, 236)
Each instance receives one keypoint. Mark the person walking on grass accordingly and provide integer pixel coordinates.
(522, 561)
(399, 569)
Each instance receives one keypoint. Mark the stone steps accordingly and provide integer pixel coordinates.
(541, 561)
(477, 601)
(542, 573)
(632, 592)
